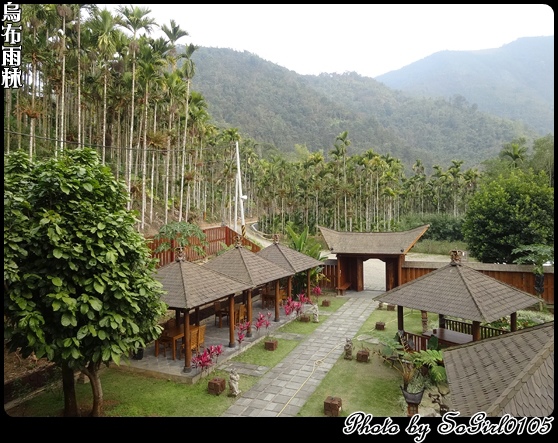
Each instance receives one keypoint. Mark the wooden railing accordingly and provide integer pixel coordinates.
(215, 238)
(467, 328)
(420, 343)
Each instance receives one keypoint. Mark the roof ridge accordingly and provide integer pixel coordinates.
(468, 286)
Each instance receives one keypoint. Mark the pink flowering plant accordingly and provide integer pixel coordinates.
(242, 329)
(204, 360)
(263, 320)
(296, 306)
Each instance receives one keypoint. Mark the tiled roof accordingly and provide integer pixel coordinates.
(460, 291)
(246, 266)
(509, 374)
(189, 285)
(392, 243)
(289, 259)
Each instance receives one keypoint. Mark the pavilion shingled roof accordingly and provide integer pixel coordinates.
(288, 258)
(509, 374)
(459, 291)
(389, 243)
(189, 285)
(246, 266)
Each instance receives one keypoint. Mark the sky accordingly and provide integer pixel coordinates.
(370, 40)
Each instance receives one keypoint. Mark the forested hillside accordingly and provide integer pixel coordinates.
(279, 108)
(515, 81)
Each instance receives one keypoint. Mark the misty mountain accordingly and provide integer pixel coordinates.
(279, 108)
(515, 81)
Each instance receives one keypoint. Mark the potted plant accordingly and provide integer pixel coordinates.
(393, 353)
(270, 343)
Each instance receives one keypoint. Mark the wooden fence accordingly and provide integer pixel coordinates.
(518, 276)
(216, 239)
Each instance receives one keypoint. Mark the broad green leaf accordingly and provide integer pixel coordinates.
(99, 287)
(96, 304)
(88, 187)
(57, 281)
(116, 358)
(57, 253)
(111, 257)
(66, 320)
(83, 332)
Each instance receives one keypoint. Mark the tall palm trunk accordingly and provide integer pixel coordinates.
(184, 153)
(130, 146)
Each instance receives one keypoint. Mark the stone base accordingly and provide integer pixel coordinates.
(325, 303)
(216, 385)
(391, 307)
(332, 406)
(304, 317)
(380, 325)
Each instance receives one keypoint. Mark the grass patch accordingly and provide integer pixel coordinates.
(128, 394)
(371, 387)
(258, 355)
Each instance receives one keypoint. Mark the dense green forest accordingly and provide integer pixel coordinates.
(91, 78)
(282, 109)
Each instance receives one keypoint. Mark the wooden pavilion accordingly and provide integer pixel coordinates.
(352, 249)
(459, 291)
(189, 286)
(291, 260)
(250, 269)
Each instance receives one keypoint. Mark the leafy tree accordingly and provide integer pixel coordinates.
(306, 245)
(508, 213)
(537, 255)
(78, 279)
(180, 235)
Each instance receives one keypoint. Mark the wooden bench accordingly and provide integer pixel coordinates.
(342, 288)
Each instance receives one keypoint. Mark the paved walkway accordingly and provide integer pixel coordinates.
(284, 389)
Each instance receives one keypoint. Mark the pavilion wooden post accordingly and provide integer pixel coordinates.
(308, 283)
(513, 321)
(249, 312)
(338, 271)
(400, 326)
(424, 318)
(277, 298)
(187, 345)
(231, 321)
(290, 286)
(476, 331)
